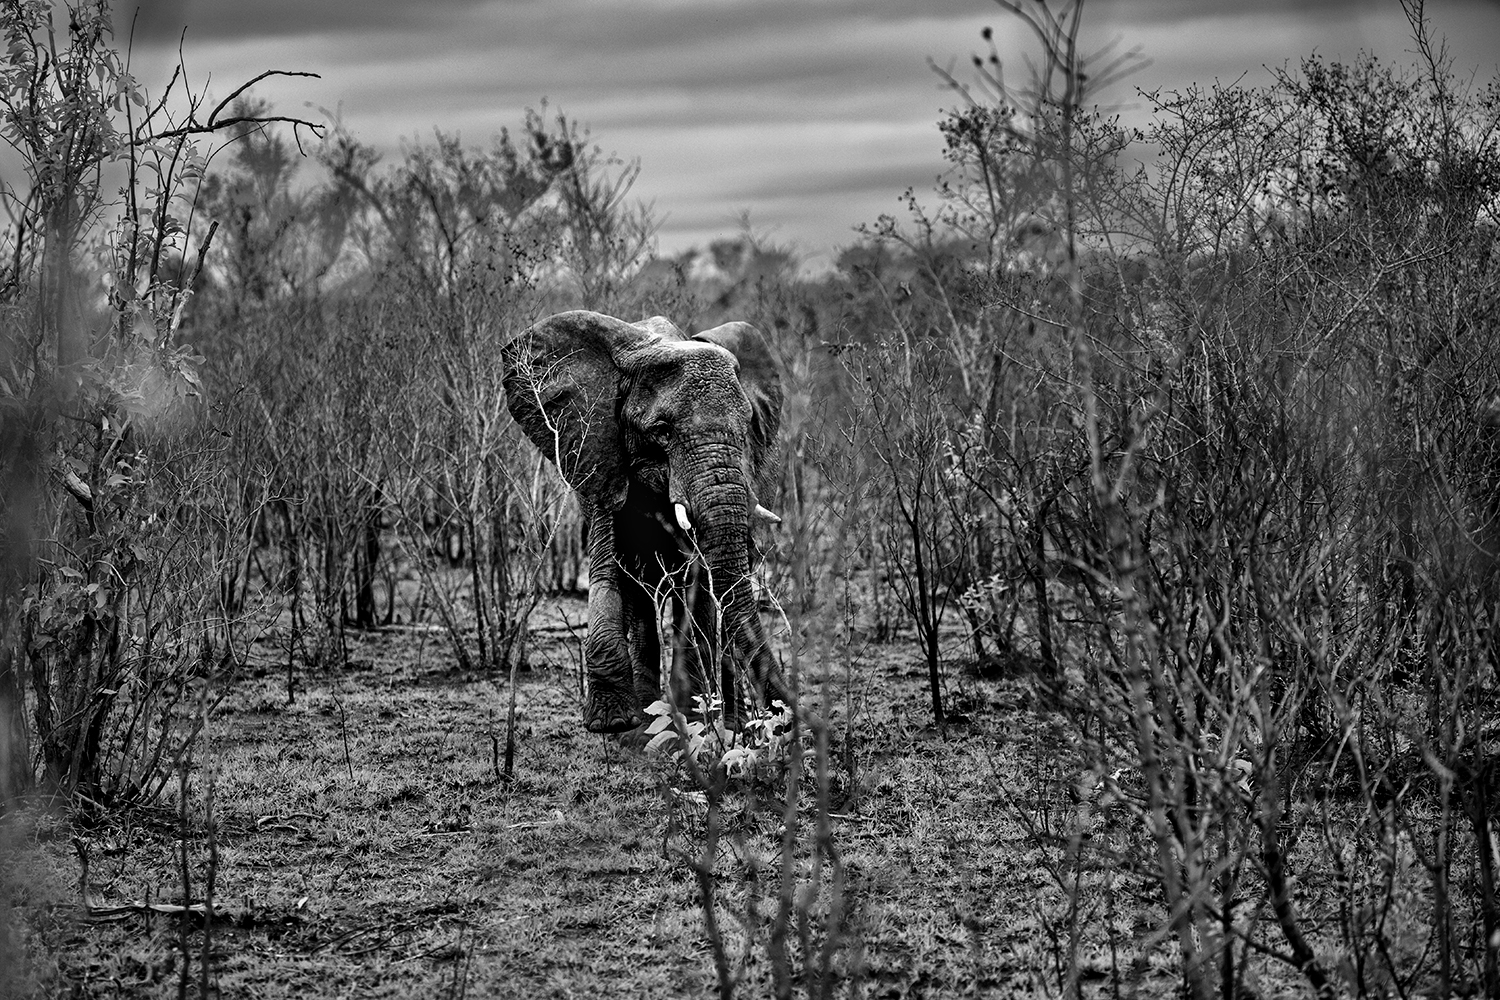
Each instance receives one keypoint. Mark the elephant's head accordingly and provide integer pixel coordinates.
(640, 417)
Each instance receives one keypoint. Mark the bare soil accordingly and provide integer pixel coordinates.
(367, 847)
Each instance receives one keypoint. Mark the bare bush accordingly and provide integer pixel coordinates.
(119, 529)
(1252, 504)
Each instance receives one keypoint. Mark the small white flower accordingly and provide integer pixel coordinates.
(739, 761)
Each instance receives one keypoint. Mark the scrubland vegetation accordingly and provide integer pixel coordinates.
(1137, 570)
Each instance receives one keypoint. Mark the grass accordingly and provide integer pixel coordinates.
(367, 847)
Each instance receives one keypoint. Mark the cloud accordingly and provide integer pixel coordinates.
(813, 114)
(206, 20)
(1199, 42)
(639, 25)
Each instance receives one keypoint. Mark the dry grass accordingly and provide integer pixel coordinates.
(404, 866)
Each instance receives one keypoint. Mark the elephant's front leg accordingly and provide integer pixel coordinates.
(768, 684)
(611, 705)
(645, 640)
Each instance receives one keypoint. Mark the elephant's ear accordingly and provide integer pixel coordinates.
(760, 378)
(662, 328)
(562, 384)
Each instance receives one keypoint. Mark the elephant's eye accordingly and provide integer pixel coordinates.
(661, 431)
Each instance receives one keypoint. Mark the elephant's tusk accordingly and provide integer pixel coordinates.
(766, 515)
(682, 518)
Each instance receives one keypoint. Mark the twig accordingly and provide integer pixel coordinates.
(82, 850)
(115, 911)
(205, 961)
(494, 747)
(79, 489)
(187, 885)
(186, 293)
(279, 817)
(344, 733)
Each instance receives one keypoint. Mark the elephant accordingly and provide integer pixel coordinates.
(667, 440)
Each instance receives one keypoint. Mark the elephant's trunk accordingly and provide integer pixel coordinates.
(722, 522)
(730, 633)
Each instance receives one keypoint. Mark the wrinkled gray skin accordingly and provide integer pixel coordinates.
(640, 417)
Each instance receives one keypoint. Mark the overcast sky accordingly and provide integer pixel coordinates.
(812, 115)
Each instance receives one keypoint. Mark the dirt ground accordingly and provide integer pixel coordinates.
(366, 847)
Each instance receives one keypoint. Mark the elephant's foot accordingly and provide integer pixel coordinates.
(634, 738)
(611, 709)
(647, 689)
